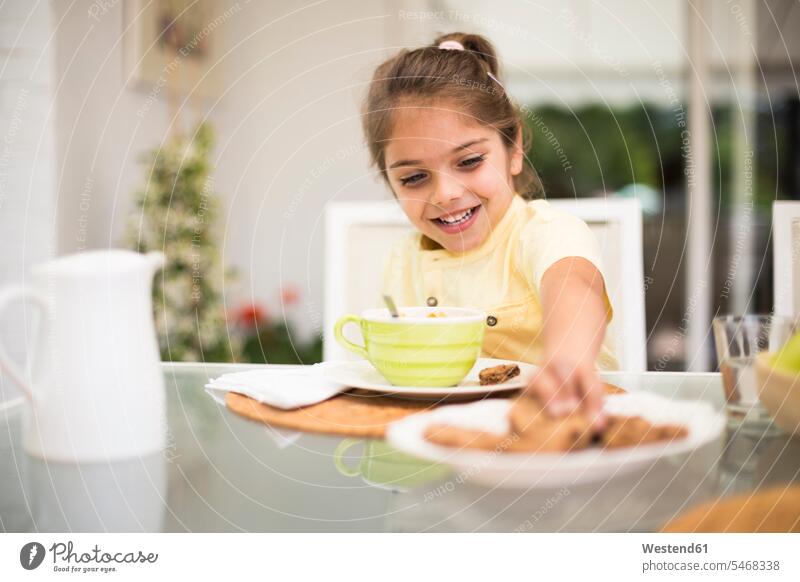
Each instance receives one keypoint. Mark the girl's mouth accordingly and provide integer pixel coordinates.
(459, 225)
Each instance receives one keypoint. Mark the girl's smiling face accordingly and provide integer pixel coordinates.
(452, 176)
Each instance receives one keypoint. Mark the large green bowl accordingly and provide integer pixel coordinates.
(415, 349)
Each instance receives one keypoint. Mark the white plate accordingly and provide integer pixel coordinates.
(362, 374)
(545, 470)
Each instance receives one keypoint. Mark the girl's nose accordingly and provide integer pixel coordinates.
(447, 189)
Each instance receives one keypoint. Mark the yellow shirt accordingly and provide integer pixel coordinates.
(501, 277)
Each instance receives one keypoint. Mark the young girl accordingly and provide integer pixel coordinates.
(449, 143)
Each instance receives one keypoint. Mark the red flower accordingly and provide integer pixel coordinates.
(250, 315)
(290, 295)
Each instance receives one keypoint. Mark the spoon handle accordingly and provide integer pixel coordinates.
(390, 304)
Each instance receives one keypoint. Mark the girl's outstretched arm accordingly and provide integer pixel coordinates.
(575, 315)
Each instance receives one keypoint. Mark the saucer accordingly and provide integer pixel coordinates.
(363, 375)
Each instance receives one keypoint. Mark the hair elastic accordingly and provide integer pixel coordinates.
(451, 45)
(454, 45)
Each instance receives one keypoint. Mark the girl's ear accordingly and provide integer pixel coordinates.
(517, 154)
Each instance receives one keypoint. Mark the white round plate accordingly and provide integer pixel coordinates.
(546, 470)
(362, 374)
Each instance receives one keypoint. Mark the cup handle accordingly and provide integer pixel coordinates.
(7, 296)
(341, 449)
(343, 341)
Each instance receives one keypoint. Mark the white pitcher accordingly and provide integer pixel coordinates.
(96, 388)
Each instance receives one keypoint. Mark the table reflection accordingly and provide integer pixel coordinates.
(123, 496)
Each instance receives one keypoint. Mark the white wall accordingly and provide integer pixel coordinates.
(286, 119)
(26, 159)
(100, 135)
(292, 136)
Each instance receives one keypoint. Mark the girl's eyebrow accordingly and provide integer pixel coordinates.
(463, 146)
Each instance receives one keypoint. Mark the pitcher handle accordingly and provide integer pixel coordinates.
(7, 296)
(343, 341)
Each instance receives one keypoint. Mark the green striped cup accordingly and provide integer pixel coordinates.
(415, 349)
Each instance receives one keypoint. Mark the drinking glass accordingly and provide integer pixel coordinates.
(738, 339)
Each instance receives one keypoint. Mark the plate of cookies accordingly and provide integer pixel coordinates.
(517, 443)
(487, 376)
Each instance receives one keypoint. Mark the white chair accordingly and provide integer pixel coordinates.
(358, 236)
(786, 256)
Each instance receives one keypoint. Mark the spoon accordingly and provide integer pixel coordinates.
(390, 304)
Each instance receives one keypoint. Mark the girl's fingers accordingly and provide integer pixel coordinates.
(544, 387)
(568, 391)
(564, 389)
(593, 391)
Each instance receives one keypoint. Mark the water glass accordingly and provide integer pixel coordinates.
(738, 339)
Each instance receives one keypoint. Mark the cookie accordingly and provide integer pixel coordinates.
(534, 424)
(525, 413)
(456, 437)
(626, 431)
(498, 374)
(532, 442)
(533, 429)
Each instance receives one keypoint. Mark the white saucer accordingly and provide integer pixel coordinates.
(362, 374)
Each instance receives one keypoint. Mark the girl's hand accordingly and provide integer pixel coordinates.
(564, 385)
(573, 304)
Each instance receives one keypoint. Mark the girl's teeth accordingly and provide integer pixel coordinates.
(458, 219)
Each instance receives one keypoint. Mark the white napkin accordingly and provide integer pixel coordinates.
(285, 388)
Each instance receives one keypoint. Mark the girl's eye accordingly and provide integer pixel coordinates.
(470, 162)
(411, 180)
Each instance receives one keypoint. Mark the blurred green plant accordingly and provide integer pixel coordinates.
(597, 149)
(177, 211)
(591, 149)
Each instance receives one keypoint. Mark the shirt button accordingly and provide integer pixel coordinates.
(491, 321)
(432, 302)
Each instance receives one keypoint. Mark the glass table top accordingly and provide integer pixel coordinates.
(220, 472)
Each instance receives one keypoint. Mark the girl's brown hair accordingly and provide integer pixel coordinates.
(430, 74)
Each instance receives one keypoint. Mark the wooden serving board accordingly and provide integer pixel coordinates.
(357, 413)
(351, 414)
